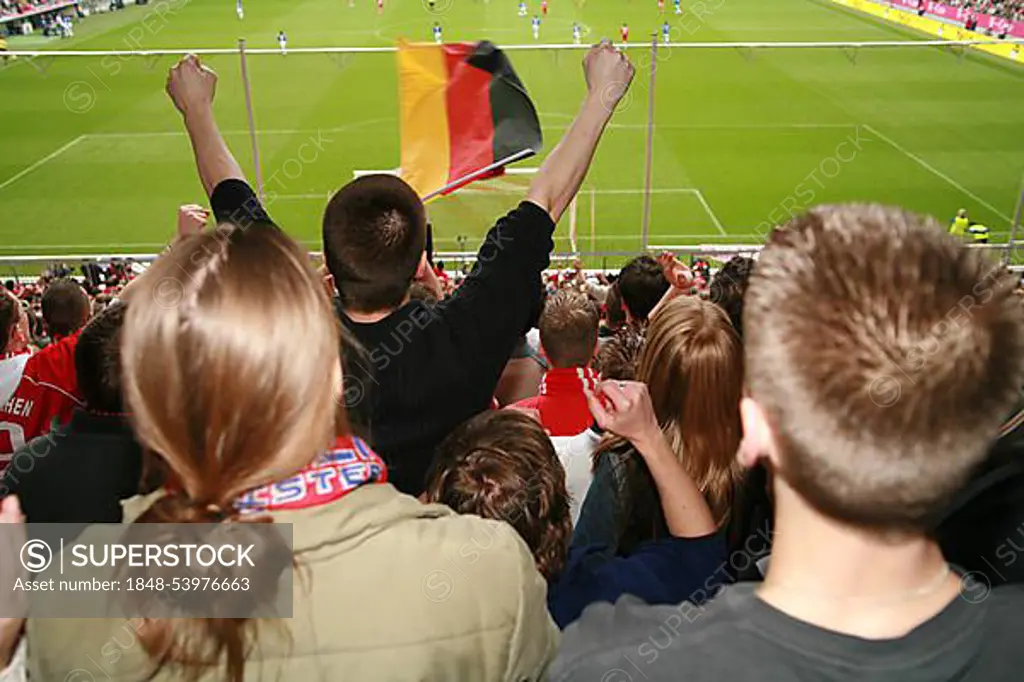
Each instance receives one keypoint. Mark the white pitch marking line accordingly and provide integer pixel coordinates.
(49, 157)
(551, 126)
(928, 167)
(485, 190)
(714, 218)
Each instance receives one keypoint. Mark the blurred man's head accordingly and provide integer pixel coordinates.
(374, 234)
(501, 465)
(65, 307)
(728, 287)
(568, 329)
(882, 357)
(98, 361)
(641, 285)
(11, 323)
(614, 312)
(618, 356)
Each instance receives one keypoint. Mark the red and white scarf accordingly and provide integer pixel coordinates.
(329, 477)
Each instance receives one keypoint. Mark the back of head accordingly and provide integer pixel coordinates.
(211, 374)
(568, 328)
(65, 307)
(231, 377)
(884, 356)
(641, 285)
(692, 363)
(10, 315)
(617, 358)
(98, 360)
(728, 287)
(374, 234)
(501, 465)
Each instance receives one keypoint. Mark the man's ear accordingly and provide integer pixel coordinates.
(758, 443)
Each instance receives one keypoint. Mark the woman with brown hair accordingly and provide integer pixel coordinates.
(230, 357)
(692, 364)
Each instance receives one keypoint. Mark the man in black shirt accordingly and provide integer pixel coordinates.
(881, 357)
(422, 370)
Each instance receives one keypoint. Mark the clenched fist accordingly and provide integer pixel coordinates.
(608, 72)
(190, 85)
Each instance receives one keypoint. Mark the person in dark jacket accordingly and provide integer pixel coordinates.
(425, 369)
(502, 465)
(80, 472)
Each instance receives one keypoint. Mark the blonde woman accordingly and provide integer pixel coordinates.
(230, 357)
(693, 366)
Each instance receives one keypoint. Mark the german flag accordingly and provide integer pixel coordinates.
(464, 115)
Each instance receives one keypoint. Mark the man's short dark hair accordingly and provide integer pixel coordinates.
(641, 285)
(65, 307)
(728, 287)
(98, 360)
(374, 234)
(885, 356)
(501, 465)
(568, 328)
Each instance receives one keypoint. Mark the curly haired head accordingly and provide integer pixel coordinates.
(501, 465)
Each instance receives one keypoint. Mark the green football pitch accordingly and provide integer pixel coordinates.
(94, 159)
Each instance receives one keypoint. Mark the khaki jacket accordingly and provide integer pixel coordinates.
(392, 589)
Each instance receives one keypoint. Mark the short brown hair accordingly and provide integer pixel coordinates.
(65, 307)
(568, 328)
(885, 356)
(501, 465)
(618, 355)
(374, 234)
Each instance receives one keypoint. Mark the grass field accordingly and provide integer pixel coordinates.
(94, 159)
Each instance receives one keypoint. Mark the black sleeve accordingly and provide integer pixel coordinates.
(234, 201)
(496, 304)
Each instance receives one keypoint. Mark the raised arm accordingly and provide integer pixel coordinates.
(191, 86)
(608, 73)
(627, 412)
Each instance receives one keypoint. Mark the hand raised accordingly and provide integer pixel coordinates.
(190, 85)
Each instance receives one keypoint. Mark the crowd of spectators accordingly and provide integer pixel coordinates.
(1007, 9)
(803, 467)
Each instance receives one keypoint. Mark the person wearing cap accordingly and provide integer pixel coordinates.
(978, 232)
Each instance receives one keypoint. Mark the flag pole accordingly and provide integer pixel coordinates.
(252, 121)
(645, 227)
(572, 224)
(593, 220)
(469, 177)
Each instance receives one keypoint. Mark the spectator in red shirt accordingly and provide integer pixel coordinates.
(568, 336)
(13, 341)
(48, 391)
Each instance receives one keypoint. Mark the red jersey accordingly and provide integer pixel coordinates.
(48, 391)
(562, 403)
(625, 33)
(544, 7)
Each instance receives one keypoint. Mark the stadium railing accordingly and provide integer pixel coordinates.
(637, 203)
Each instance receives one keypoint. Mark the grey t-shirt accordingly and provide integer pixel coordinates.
(738, 637)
